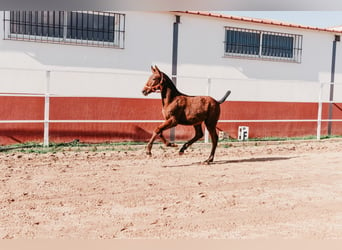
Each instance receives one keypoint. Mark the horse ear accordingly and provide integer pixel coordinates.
(155, 66)
(153, 69)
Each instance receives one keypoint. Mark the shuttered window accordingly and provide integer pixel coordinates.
(92, 28)
(263, 44)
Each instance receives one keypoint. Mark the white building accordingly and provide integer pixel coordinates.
(94, 65)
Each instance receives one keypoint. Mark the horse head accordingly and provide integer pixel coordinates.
(155, 82)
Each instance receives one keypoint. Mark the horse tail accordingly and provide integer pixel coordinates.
(224, 97)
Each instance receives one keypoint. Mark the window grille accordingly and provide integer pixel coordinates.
(263, 44)
(89, 28)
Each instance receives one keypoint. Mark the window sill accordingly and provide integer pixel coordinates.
(262, 58)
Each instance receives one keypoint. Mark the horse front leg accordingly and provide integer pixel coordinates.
(171, 122)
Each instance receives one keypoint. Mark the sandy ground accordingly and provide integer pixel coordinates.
(277, 190)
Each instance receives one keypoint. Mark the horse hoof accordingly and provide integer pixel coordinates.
(181, 153)
(149, 154)
(172, 145)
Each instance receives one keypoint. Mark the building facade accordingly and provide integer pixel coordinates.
(91, 66)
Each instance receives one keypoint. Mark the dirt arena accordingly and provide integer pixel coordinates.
(253, 190)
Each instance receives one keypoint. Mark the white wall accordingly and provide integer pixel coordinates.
(202, 45)
(91, 71)
(201, 54)
(148, 38)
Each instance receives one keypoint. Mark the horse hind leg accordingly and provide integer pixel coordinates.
(198, 135)
(214, 140)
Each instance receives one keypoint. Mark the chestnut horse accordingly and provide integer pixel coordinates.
(182, 109)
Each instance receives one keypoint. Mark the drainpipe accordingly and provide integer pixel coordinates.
(174, 63)
(332, 80)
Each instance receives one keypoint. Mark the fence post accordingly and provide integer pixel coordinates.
(319, 112)
(206, 133)
(47, 110)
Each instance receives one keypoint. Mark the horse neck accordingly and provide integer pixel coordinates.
(169, 91)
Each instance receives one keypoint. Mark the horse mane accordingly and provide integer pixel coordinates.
(170, 84)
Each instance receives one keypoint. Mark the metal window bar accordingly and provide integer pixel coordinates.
(88, 28)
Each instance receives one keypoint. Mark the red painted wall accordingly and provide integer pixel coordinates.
(32, 108)
(21, 108)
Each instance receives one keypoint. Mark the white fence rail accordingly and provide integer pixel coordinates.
(207, 86)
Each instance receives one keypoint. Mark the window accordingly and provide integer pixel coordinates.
(90, 28)
(263, 44)
(277, 46)
(241, 42)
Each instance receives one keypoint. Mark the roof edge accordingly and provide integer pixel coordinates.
(259, 21)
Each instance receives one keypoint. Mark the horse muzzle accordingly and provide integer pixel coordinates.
(154, 89)
(145, 92)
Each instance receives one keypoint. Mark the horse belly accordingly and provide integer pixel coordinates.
(194, 116)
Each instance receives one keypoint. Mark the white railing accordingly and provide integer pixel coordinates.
(209, 83)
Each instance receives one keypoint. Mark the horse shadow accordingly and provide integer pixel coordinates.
(222, 162)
